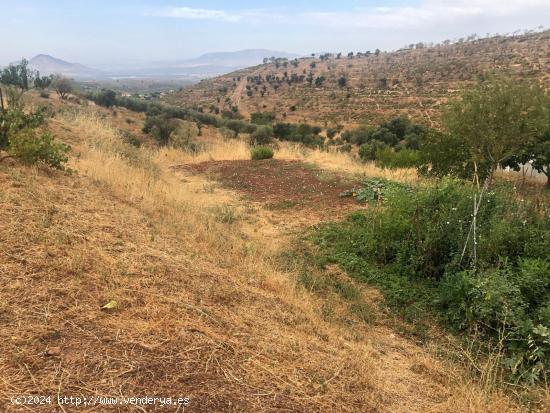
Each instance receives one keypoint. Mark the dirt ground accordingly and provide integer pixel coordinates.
(282, 184)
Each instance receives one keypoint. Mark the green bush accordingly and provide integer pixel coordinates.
(367, 151)
(444, 154)
(15, 118)
(130, 138)
(18, 135)
(227, 133)
(261, 152)
(392, 159)
(303, 133)
(331, 133)
(398, 132)
(183, 136)
(31, 148)
(263, 135)
(262, 118)
(510, 300)
(160, 127)
(105, 97)
(413, 249)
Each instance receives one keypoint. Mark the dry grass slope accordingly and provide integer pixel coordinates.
(204, 310)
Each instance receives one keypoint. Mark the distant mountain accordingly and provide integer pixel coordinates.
(207, 65)
(217, 63)
(47, 64)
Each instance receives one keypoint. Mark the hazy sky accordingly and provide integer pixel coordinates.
(102, 32)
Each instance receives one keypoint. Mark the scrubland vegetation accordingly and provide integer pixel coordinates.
(431, 254)
(427, 290)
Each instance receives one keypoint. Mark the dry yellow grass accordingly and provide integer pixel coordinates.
(203, 308)
(332, 160)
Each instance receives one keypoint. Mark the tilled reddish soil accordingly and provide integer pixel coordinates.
(275, 181)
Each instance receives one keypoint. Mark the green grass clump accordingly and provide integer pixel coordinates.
(261, 152)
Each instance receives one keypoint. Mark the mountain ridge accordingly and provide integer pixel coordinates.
(47, 64)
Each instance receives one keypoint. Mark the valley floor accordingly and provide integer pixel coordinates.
(189, 256)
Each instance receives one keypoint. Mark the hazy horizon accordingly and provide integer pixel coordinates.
(136, 32)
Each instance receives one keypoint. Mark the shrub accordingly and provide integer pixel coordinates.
(19, 138)
(15, 118)
(231, 114)
(508, 299)
(62, 86)
(227, 133)
(263, 135)
(134, 104)
(303, 133)
(342, 81)
(159, 127)
(418, 251)
(261, 152)
(392, 159)
(445, 154)
(106, 98)
(367, 151)
(183, 135)
(331, 133)
(346, 148)
(397, 132)
(262, 118)
(238, 126)
(131, 139)
(31, 148)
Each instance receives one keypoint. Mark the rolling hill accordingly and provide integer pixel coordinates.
(365, 87)
(47, 64)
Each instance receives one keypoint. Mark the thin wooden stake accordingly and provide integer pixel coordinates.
(474, 230)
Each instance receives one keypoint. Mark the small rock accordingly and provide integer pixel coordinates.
(53, 351)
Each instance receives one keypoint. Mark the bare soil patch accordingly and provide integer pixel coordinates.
(280, 183)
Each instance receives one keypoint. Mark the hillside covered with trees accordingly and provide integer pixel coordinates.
(364, 86)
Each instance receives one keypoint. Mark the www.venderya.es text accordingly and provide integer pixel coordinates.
(84, 401)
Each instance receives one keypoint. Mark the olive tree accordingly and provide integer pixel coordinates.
(496, 119)
(62, 86)
(537, 152)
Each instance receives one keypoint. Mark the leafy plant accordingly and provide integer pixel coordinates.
(31, 148)
(18, 135)
(413, 248)
(263, 135)
(261, 152)
(392, 159)
(373, 190)
(495, 119)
